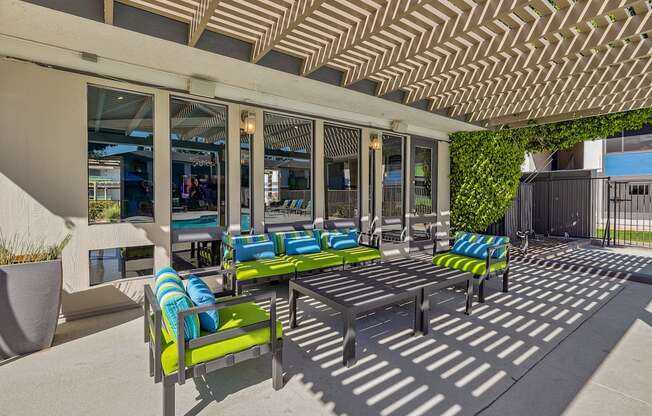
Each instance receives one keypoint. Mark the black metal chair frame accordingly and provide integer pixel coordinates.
(153, 337)
(490, 260)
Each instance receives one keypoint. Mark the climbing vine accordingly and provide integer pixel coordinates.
(486, 165)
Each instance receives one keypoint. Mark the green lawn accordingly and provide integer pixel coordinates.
(628, 235)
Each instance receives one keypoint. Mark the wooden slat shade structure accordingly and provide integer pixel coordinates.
(496, 63)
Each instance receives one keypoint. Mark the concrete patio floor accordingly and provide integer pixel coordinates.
(562, 341)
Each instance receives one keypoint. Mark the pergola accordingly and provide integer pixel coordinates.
(493, 63)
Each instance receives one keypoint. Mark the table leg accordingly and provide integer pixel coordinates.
(418, 312)
(349, 358)
(293, 308)
(425, 311)
(469, 296)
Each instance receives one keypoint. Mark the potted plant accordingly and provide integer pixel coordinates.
(30, 294)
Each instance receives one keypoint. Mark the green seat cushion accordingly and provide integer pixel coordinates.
(357, 254)
(466, 264)
(263, 268)
(230, 317)
(321, 260)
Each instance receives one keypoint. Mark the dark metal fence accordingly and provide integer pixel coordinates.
(580, 205)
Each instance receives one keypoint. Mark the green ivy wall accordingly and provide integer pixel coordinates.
(486, 165)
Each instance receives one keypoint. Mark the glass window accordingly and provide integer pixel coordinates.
(423, 180)
(198, 157)
(637, 143)
(109, 264)
(245, 182)
(287, 181)
(341, 147)
(614, 145)
(120, 156)
(392, 177)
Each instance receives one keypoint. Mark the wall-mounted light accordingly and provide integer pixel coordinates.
(374, 144)
(248, 124)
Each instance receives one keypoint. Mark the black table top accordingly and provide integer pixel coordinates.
(368, 287)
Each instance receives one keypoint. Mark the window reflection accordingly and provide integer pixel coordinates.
(120, 156)
(392, 176)
(198, 157)
(245, 182)
(341, 147)
(423, 180)
(288, 165)
(109, 264)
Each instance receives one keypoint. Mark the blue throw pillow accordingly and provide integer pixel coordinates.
(342, 241)
(201, 295)
(301, 246)
(255, 251)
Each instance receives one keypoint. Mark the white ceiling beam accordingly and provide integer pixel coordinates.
(522, 84)
(638, 92)
(363, 31)
(540, 104)
(294, 16)
(463, 23)
(201, 17)
(519, 100)
(613, 108)
(566, 48)
(501, 49)
(108, 12)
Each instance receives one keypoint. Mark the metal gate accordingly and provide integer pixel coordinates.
(628, 214)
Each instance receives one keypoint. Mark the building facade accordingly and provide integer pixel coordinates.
(141, 168)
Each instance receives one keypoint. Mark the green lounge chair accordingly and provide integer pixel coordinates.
(494, 249)
(245, 331)
(240, 275)
(363, 253)
(305, 262)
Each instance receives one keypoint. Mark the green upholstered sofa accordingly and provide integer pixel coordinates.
(239, 275)
(245, 331)
(495, 262)
(305, 262)
(365, 252)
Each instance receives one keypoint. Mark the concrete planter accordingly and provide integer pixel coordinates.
(30, 298)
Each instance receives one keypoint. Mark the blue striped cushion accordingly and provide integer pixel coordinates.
(326, 235)
(238, 240)
(167, 275)
(475, 245)
(173, 299)
(280, 237)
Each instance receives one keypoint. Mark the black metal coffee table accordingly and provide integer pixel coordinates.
(362, 289)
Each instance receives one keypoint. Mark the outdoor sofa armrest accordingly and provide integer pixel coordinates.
(491, 250)
(153, 319)
(229, 268)
(450, 240)
(226, 334)
(374, 240)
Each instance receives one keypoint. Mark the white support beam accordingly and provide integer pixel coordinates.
(200, 19)
(536, 58)
(512, 41)
(576, 95)
(638, 92)
(367, 25)
(295, 15)
(468, 22)
(108, 12)
(613, 108)
(523, 84)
